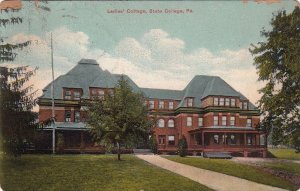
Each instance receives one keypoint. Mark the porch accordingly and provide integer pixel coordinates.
(240, 143)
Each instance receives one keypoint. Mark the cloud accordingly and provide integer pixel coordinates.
(155, 60)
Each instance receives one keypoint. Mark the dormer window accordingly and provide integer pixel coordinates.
(227, 101)
(189, 102)
(151, 104)
(68, 94)
(216, 101)
(221, 101)
(161, 105)
(245, 105)
(232, 102)
(171, 105)
(77, 94)
(101, 93)
(94, 93)
(67, 116)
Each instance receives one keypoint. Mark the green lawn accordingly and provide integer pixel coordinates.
(234, 169)
(88, 172)
(287, 166)
(285, 154)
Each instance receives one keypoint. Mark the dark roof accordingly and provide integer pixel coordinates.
(87, 73)
(163, 93)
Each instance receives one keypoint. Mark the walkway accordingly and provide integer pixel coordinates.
(214, 180)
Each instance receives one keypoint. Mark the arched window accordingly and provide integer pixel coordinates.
(161, 123)
(171, 123)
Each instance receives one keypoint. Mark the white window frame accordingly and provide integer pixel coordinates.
(232, 102)
(216, 101)
(224, 120)
(216, 119)
(221, 101)
(68, 95)
(171, 123)
(68, 119)
(189, 121)
(190, 102)
(227, 102)
(200, 122)
(161, 104)
(232, 120)
(76, 97)
(247, 122)
(171, 138)
(171, 105)
(161, 123)
(245, 105)
(77, 117)
(151, 104)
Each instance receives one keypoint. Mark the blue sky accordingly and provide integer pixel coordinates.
(155, 50)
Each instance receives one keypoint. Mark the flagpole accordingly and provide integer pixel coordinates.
(52, 95)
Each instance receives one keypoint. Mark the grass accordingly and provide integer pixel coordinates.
(287, 166)
(234, 169)
(285, 154)
(88, 172)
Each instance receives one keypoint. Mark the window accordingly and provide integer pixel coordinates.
(241, 105)
(151, 104)
(221, 101)
(189, 121)
(216, 101)
(249, 139)
(77, 116)
(224, 122)
(161, 139)
(68, 94)
(232, 121)
(232, 102)
(161, 105)
(216, 120)
(216, 139)
(190, 102)
(171, 105)
(171, 123)
(249, 123)
(171, 140)
(67, 116)
(245, 105)
(232, 139)
(227, 101)
(161, 123)
(101, 93)
(111, 92)
(76, 94)
(200, 122)
(94, 93)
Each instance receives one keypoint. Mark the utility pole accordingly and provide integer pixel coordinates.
(52, 93)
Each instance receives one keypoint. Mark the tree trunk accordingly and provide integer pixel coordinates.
(119, 151)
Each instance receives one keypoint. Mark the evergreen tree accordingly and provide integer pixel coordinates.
(278, 64)
(118, 118)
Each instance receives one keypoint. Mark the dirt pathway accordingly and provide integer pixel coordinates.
(214, 180)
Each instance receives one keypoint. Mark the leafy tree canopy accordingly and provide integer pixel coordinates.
(278, 64)
(119, 117)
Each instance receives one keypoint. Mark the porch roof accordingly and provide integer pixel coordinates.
(68, 126)
(225, 129)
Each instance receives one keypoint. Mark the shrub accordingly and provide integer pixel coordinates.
(182, 147)
(153, 144)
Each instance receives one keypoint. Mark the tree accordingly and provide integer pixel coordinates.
(182, 147)
(17, 99)
(278, 64)
(119, 117)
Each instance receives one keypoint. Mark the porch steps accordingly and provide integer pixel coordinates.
(142, 151)
(217, 155)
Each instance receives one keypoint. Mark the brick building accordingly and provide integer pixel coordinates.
(208, 112)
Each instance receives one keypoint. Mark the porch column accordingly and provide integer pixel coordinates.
(82, 143)
(245, 139)
(202, 139)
